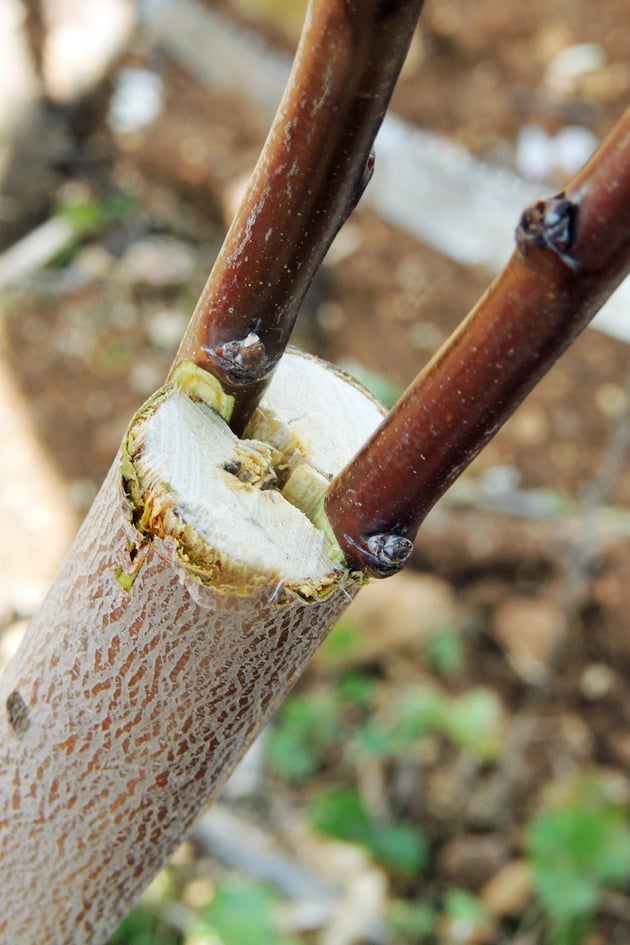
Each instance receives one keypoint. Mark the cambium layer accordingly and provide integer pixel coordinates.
(194, 595)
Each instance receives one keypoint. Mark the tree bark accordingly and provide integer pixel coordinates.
(315, 165)
(156, 658)
(572, 251)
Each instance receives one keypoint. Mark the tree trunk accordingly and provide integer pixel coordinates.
(164, 643)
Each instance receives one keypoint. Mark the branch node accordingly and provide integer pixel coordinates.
(241, 361)
(551, 224)
(382, 554)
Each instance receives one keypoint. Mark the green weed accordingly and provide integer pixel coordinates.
(576, 852)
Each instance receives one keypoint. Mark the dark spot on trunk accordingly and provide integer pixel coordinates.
(17, 713)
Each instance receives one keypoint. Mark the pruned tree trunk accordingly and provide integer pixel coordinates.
(206, 573)
(210, 567)
(169, 636)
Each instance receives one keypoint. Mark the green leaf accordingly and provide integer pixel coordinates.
(474, 722)
(400, 846)
(357, 689)
(463, 906)
(84, 214)
(344, 640)
(418, 713)
(587, 847)
(575, 853)
(466, 915)
(445, 653)
(303, 729)
(341, 814)
(242, 912)
(144, 927)
(411, 923)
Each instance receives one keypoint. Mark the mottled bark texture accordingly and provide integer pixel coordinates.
(135, 691)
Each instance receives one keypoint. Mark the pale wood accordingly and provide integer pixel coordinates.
(139, 685)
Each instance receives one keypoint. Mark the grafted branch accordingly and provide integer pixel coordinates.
(314, 167)
(572, 250)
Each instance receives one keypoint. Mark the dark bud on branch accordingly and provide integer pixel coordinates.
(551, 223)
(316, 163)
(380, 555)
(239, 362)
(572, 250)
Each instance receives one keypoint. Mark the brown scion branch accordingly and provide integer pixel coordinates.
(572, 250)
(314, 167)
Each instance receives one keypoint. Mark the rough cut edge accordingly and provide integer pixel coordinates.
(234, 534)
(314, 418)
(136, 690)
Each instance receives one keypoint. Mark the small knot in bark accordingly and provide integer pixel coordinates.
(551, 224)
(242, 361)
(381, 555)
(17, 713)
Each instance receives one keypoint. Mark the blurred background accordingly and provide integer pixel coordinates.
(454, 767)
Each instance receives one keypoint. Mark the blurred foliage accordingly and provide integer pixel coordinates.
(87, 215)
(240, 912)
(472, 721)
(381, 387)
(308, 726)
(411, 923)
(341, 814)
(416, 713)
(464, 919)
(143, 926)
(357, 689)
(345, 640)
(303, 729)
(446, 653)
(576, 851)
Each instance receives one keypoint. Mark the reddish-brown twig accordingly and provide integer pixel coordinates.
(572, 251)
(314, 167)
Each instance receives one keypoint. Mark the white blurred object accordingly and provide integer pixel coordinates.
(245, 780)
(570, 64)
(540, 156)
(18, 83)
(37, 522)
(439, 192)
(83, 40)
(575, 145)
(533, 158)
(137, 100)
(160, 261)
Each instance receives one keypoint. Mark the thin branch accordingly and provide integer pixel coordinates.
(572, 250)
(314, 167)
